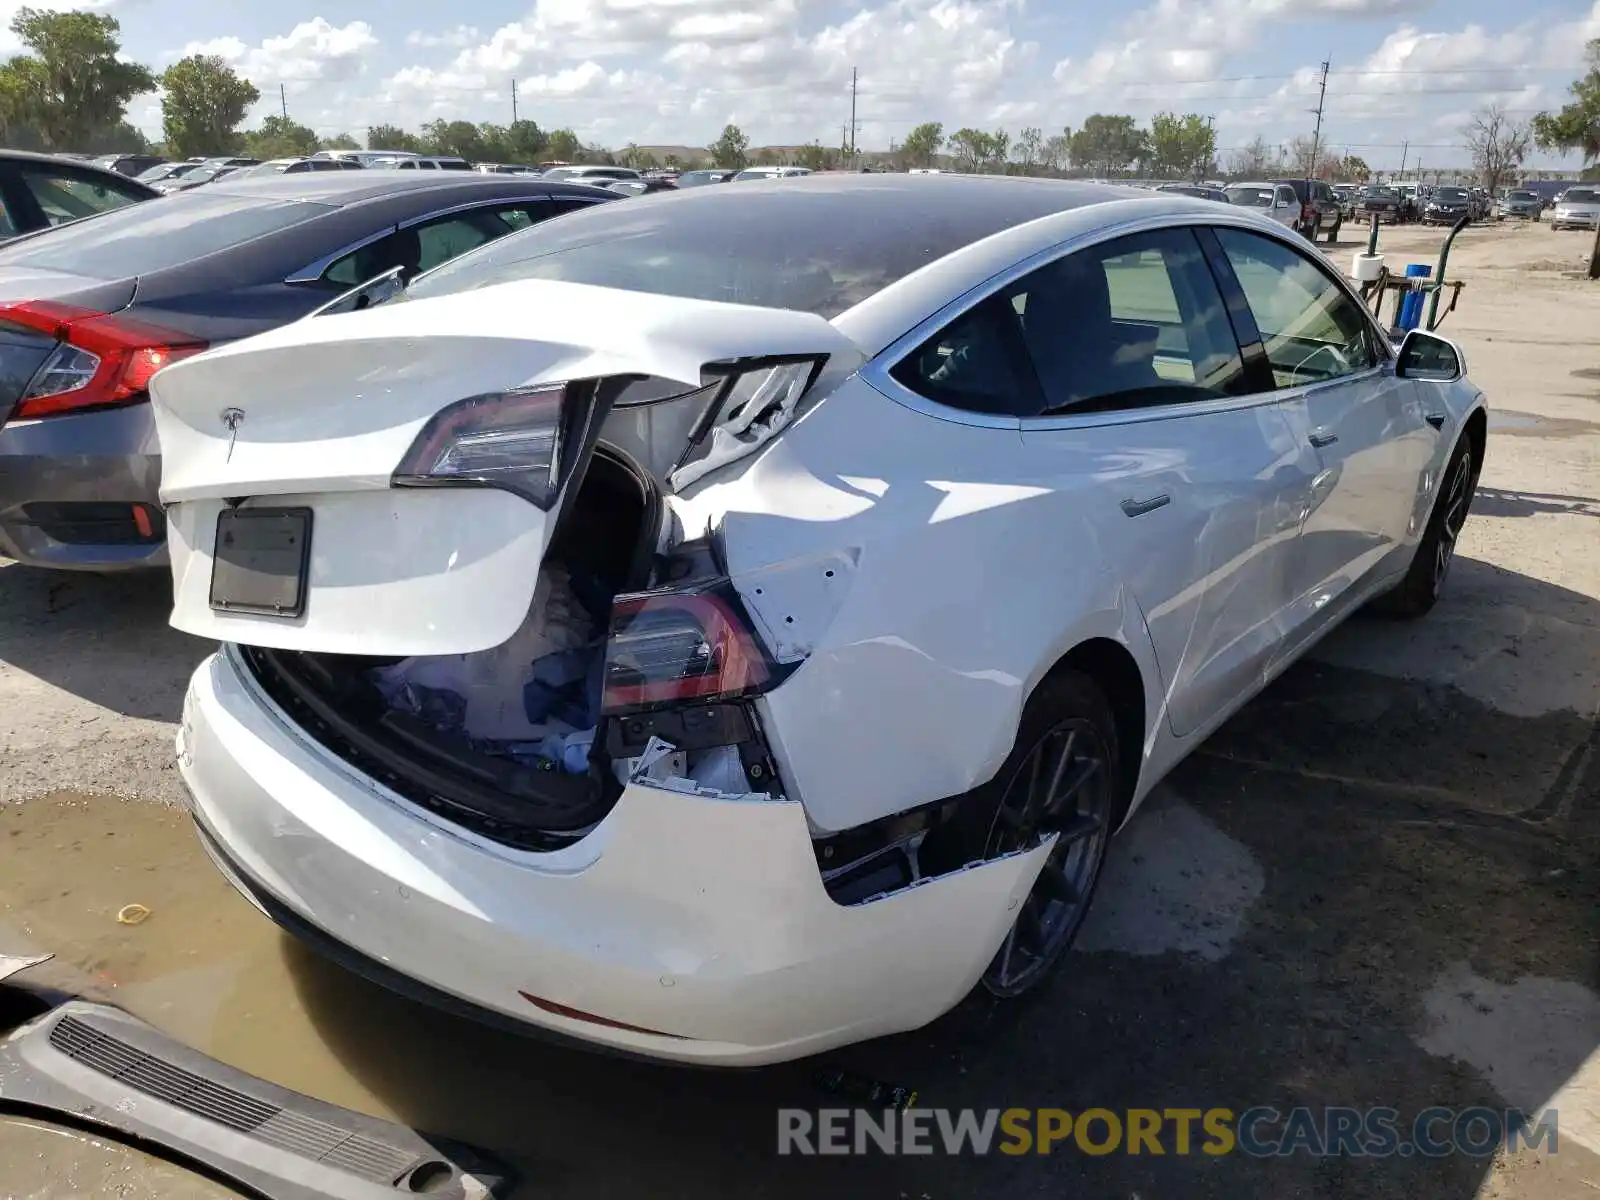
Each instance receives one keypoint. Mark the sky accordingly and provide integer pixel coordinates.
(1404, 74)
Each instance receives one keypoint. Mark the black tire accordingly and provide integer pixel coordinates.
(1419, 591)
(1333, 234)
(1066, 751)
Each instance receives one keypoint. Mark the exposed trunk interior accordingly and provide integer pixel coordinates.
(454, 733)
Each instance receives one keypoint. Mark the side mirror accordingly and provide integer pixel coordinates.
(1428, 356)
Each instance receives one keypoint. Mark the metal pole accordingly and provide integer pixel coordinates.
(513, 99)
(852, 115)
(1405, 148)
(283, 99)
(1316, 135)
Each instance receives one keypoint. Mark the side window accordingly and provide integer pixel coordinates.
(1131, 322)
(1286, 198)
(67, 197)
(1311, 329)
(975, 363)
(421, 247)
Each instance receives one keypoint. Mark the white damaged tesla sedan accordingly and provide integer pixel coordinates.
(732, 626)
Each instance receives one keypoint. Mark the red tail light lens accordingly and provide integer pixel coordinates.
(103, 360)
(672, 646)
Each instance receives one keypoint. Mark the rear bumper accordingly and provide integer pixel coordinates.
(683, 927)
(69, 486)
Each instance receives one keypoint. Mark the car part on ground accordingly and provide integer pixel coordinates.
(95, 1065)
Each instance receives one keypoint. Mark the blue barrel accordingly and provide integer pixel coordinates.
(1411, 306)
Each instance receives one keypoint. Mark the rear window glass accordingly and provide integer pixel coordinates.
(818, 246)
(1250, 197)
(157, 234)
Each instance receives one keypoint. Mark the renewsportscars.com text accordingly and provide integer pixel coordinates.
(1260, 1132)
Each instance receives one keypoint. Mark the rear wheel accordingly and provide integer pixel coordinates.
(1062, 780)
(1420, 589)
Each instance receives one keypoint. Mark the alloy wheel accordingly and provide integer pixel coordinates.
(1457, 499)
(1063, 787)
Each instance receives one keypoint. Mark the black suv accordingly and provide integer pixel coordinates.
(1319, 208)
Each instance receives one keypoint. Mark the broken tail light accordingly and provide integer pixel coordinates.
(512, 440)
(102, 360)
(681, 645)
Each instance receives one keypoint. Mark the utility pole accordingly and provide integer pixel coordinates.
(283, 99)
(513, 99)
(1405, 150)
(852, 115)
(1316, 135)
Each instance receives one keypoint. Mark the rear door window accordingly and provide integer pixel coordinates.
(428, 244)
(65, 196)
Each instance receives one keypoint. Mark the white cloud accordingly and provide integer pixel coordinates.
(461, 35)
(312, 51)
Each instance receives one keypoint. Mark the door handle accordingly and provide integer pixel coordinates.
(1322, 437)
(1137, 508)
(1435, 419)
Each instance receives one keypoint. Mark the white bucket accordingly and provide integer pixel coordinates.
(1364, 268)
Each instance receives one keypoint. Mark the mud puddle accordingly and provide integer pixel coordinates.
(46, 1162)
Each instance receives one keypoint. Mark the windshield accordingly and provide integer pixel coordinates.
(1450, 194)
(818, 245)
(165, 171)
(1523, 196)
(1250, 197)
(1380, 193)
(700, 178)
(142, 238)
(1582, 196)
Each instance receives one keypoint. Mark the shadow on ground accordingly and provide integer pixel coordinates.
(104, 638)
(1394, 836)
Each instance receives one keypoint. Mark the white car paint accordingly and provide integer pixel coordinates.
(1578, 208)
(925, 567)
(1276, 201)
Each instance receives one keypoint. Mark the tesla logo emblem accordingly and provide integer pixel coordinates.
(231, 419)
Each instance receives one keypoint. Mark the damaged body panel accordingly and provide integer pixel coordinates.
(714, 952)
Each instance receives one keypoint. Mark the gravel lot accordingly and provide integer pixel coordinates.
(1378, 885)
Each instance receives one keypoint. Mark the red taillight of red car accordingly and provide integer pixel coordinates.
(682, 645)
(103, 360)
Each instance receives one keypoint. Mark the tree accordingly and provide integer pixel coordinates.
(204, 103)
(1029, 149)
(971, 148)
(922, 144)
(813, 157)
(1057, 151)
(1108, 145)
(1497, 144)
(280, 137)
(460, 138)
(389, 137)
(1354, 168)
(1181, 147)
(731, 150)
(564, 146)
(1577, 127)
(73, 87)
(339, 141)
(1252, 160)
(525, 142)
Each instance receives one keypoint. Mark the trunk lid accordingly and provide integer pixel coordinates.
(316, 417)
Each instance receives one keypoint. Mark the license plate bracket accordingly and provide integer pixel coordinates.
(261, 562)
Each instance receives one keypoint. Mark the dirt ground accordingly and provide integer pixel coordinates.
(1378, 885)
